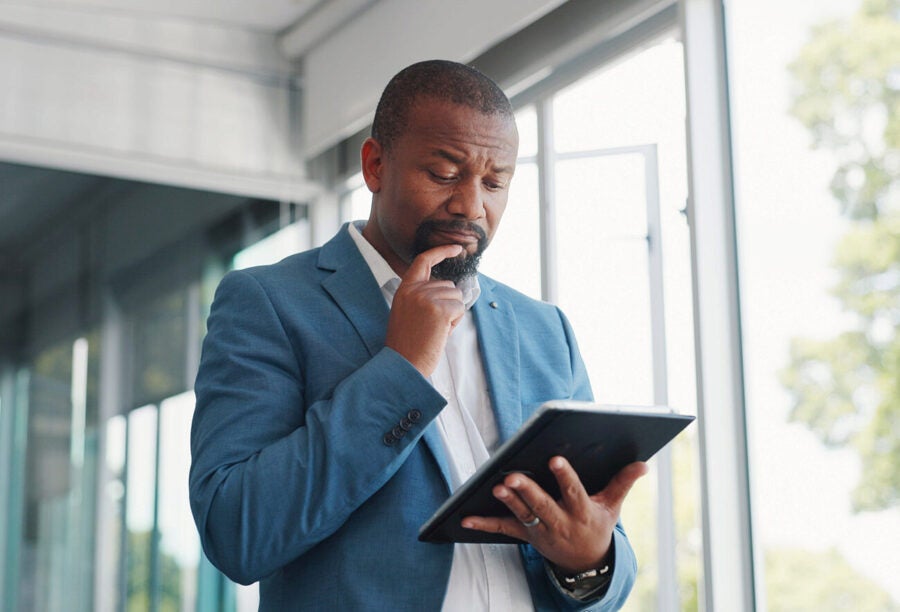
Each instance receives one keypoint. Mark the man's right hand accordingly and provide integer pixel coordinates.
(425, 311)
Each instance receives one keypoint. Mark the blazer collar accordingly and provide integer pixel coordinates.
(356, 292)
(354, 289)
(498, 336)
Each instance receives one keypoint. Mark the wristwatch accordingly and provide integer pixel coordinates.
(589, 580)
(590, 583)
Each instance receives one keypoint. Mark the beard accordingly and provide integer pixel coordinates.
(453, 269)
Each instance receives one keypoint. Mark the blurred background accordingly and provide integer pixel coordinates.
(710, 190)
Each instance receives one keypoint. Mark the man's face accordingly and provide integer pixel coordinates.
(445, 180)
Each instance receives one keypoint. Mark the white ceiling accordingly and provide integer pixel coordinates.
(264, 15)
(33, 199)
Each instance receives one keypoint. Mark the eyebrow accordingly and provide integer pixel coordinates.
(459, 160)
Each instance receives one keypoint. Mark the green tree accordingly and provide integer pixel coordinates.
(138, 576)
(836, 585)
(847, 389)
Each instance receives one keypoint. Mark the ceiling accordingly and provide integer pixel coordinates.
(33, 199)
(264, 15)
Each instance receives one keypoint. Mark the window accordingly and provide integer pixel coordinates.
(816, 197)
(623, 278)
(57, 543)
(620, 269)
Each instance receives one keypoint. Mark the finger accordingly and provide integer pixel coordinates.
(420, 269)
(519, 508)
(574, 496)
(507, 526)
(535, 498)
(614, 493)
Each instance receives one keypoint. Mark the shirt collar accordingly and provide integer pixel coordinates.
(388, 280)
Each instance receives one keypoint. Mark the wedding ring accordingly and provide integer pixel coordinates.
(533, 522)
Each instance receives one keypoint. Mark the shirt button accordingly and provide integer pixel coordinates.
(406, 424)
(398, 433)
(389, 439)
(414, 415)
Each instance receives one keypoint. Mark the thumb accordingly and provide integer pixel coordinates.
(614, 493)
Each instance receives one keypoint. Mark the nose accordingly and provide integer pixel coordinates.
(467, 200)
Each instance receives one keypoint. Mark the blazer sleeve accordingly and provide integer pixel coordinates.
(271, 477)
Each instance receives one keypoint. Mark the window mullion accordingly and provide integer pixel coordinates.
(546, 165)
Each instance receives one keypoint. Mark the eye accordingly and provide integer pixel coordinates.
(442, 177)
(494, 185)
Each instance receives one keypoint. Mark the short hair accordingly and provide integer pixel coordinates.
(438, 79)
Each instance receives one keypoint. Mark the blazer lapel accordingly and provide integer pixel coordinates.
(354, 289)
(356, 293)
(498, 336)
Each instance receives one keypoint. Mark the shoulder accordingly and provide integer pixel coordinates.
(533, 315)
(292, 267)
(311, 265)
(274, 281)
(495, 290)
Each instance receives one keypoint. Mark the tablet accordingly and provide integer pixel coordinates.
(598, 441)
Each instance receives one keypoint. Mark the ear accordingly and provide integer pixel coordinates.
(372, 162)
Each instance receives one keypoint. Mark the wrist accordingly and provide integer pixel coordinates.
(589, 580)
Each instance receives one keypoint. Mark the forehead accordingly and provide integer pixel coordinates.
(435, 123)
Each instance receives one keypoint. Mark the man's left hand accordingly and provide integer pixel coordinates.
(574, 533)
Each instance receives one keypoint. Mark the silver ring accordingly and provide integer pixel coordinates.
(533, 522)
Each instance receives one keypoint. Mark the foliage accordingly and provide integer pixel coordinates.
(639, 520)
(847, 388)
(848, 96)
(138, 576)
(799, 580)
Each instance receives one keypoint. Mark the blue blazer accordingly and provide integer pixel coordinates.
(292, 483)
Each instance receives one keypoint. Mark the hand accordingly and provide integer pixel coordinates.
(425, 311)
(574, 533)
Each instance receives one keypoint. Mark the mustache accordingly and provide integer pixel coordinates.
(453, 225)
(455, 268)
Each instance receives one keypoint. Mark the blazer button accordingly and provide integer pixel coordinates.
(406, 424)
(414, 415)
(389, 439)
(398, 433)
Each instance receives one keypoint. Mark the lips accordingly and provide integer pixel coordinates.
(432, 233)
(457, 237)
(454, 231)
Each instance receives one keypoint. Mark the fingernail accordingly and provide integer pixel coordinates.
(514, 483)
(557, 463)
(502, 494)
(468, 524)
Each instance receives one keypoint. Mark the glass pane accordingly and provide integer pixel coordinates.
(358, 203)
(635, 107)
(57, 537)
(816, 147)
(139, 507)
(179, 543)
(526, 121)
(160, 331)
(49, 437)
(514, 256)
(603, 276)
(637, 101)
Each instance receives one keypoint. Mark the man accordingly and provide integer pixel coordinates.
(344, 392)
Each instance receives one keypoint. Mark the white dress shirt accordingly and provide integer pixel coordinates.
(482, 576)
